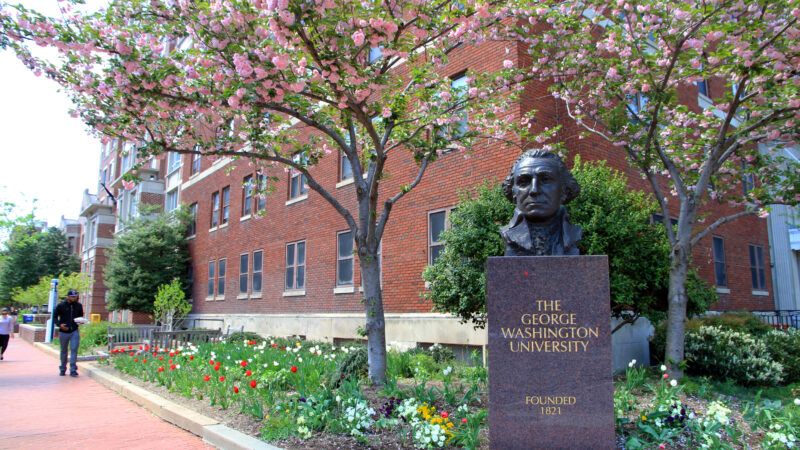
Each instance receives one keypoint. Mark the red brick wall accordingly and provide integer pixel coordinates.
(405, 250)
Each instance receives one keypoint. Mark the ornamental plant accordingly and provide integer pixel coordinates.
(284, 84)
(629, 73)
(171, 306)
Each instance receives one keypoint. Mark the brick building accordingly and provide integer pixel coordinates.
(284, 265)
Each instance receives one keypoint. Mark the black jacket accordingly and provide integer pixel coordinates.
(66, 313)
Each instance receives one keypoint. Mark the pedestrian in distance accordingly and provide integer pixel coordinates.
(65, 317)
(6, 330)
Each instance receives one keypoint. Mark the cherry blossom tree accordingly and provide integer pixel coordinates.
(283, 83)
(629, 73)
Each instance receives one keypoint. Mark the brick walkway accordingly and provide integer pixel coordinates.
(39, 409)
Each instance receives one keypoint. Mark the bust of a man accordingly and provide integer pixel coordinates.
(540, 185)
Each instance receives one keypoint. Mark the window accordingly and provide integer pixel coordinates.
(172, 200)
(344, 259)
(258, 267)
(748, 179)
(375, 53)
(702, 87)
(247, 195)
(244, 269)
(128, 157)
(133, 205)
(214, 209)
(345, 168)
(261, 193)
(211, 275)
(459, 85)
(720, 271)
(438, 221)
(226, 205)
(195, 167)
(173, 161)
(757, 268)
(191, 229)
(298, 185)
(221, 277)
(636, 105)
(296, 266)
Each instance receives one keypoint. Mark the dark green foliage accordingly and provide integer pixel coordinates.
(239, 336)
(785, 349)
(150, 252)
(458, 278)
(31, 255)
(616, 221)
(441, 354)
(353, 366)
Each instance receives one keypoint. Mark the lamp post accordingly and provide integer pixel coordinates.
(51, 305)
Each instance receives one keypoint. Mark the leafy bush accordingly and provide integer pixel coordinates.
(240, 336)
(353, 366)
(731, 355)
(742, 321)
(95, 335)
(785, 349)
(441, 354)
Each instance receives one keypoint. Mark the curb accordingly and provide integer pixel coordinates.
(210, 430)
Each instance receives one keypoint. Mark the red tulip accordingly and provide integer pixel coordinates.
(464, 420)
(135, 359)
(445, 415)
(172, 367)
(171, 353)
(248, 373)
(216, 368)
(211, 362)
(130, 347)
(244, 363)
(130, 354)
(207, 378)
(191, 357)
(141, 348)
(253, 384)
(160, 358)
(160, 369)
(222, 378)
(294, 369)
(235, 389)
(144, 360)
(170, 361)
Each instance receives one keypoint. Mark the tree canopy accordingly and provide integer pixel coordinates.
(616, 221)
(150, 253)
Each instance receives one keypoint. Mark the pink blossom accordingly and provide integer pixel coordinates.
(508, 63)
(358, 38)
(387, 112)
(128, 185)
(612, 73)
(645, 87)
(280, 61)
(233, 101)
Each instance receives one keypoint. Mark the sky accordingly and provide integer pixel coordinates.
(48, 157)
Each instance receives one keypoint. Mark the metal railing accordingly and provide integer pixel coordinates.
(780, 318)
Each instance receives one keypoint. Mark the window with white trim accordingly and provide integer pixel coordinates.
(260, 193)
(171, 200)
(375, 53)
(211, 277)
(247, 195)
(244, 273)
(195, 167)
(226, 205)
(221, 277)
(173, 162)
(459, 86)
(438, 221)
(214, 209)
(295, 266)
(757, 272)
(344, 258)
(298, 184)
(258, 267)
(720, 270)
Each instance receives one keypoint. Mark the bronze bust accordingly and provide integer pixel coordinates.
(539, 185)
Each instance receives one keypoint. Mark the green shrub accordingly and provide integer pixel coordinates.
(785, 349)
(353, 366)
(423, 365)
(731, 355)
(741, 321)
(95, 335)
(441, 354)
(239, 336)
(399, 365)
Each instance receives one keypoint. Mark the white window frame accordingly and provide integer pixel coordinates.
(247, 196)
(215, 209)
(437, 243)
(260, 272)
(222, 274)
(176, 195)
(225, 206)
(194, 169)
(244, 275)
(211, 288)
(759, 268)
(174, 162)
(717, 260)
(349, 257)
(295, 289)
(302, 188)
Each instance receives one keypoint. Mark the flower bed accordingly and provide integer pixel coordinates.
(308, 395)
(298, 392)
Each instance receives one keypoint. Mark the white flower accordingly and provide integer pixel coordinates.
(632, 363)
(447, 370)
(663, 368)
(673, 383)
(177, 366)
(797, 401)
(275, 363)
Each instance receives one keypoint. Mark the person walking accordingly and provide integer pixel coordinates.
(65, 314)
(6, 330)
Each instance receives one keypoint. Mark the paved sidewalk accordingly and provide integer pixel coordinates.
(39, 409)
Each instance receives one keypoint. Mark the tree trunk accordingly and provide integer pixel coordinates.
(676, 315)
(376, 324)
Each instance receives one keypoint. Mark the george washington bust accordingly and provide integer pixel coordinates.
(539, 185)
